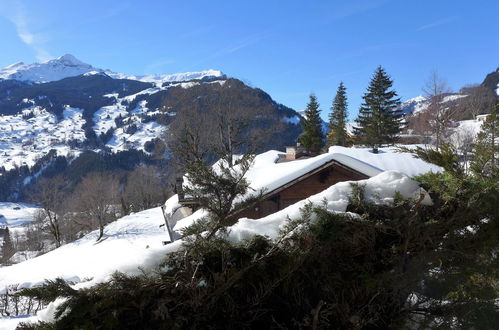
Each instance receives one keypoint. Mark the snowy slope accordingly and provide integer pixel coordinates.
(414, 105)
(69, 66)
(128, 243)
(24, 140)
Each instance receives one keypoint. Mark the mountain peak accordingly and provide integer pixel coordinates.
(68, 65)
(70, 59)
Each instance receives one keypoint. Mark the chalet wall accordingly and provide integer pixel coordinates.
(301, 189)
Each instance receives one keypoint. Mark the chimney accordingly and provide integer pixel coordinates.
(291, 153)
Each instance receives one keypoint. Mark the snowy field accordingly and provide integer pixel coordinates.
(16, 214)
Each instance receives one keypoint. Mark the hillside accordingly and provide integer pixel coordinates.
(71, 107)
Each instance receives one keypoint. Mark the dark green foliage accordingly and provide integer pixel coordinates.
(84, 92)
(397, 266)
(8, 249)
(312, 137)
(379, 120)
(486, 148)
(446, 157)
(338, 118)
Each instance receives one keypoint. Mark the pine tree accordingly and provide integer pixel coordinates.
(486, 148)
(379, 120)
(312, 137)
(337, 119)
(7, 246)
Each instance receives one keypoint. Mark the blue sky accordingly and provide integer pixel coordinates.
(287, 48)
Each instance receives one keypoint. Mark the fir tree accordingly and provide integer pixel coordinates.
(379, 120)
(7, 246)
(312, 138)
(337, 119)
(486, 148)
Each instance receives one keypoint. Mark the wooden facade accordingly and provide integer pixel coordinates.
(305, 186)
(309, 184)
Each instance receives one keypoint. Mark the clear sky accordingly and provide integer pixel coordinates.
(287, 48)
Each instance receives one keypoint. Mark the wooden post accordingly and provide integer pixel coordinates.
(170, 232)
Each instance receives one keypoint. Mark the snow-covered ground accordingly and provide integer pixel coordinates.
(23, 141)
(136, 240)
(29, 135)
(17, 214)
(128, 243)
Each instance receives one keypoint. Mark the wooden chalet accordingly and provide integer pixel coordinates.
(316, 178)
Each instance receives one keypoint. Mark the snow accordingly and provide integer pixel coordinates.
(389, 159)
(23, 141)
(292, 120)
(414, 105)
(378, 189)
(129, 242)
(136, 240)
(56, 69)
(17, 214)
(454, 97)
(134, 243)
(267, 175)
(69, 66)
(168, 78)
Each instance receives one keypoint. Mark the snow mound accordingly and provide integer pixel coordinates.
(378, 189)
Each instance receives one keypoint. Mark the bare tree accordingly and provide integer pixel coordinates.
(463, 142)
(479, 100)
(50, 194)
(227, 119)
(144, 189)
(439, 114)
(95, 200)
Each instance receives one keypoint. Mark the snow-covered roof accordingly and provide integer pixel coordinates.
(388, 159)
(268, 175)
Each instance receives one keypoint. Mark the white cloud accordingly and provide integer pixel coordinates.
(16, 12)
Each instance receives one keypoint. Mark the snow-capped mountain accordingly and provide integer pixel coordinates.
(69, 66)
(56, 69)
(83, 109)
(414, 105)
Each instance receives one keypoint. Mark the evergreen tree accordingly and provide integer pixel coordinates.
(312, 138)
(486, 149)
(379, 120)
(7, 246)
(337, 119)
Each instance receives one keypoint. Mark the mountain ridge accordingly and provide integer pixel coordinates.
(68, 65)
